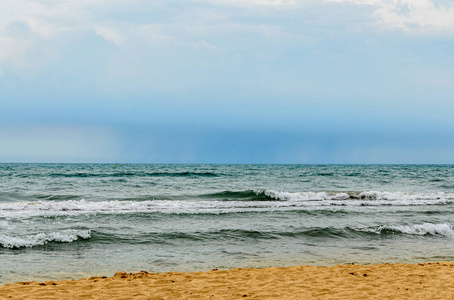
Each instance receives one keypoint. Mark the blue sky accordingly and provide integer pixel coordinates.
(227, 81)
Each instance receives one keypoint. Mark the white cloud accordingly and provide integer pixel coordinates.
(110, 34)
(158, 43)
(411, 15)
(406, 14)
(255, 2)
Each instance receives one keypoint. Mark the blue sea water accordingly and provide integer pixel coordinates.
(75, 220)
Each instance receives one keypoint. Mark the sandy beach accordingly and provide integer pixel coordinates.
(384, 281)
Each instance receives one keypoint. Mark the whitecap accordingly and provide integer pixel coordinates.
(39, 239)
(444, 229)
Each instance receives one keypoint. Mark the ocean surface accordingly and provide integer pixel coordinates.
(76, 220)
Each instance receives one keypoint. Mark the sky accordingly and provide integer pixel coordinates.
(227, 81)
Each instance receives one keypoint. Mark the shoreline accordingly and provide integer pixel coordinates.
(400, 280)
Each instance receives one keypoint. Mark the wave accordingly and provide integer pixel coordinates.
(71, 235)
(246, 195)
(40, 239)
(229, 202)
(175, 237)
(271, 195)
(249, 234)
(364, 195)
(13, 197)
(229, 234)
(57, 197)
(182, 174)
(136, 174)
(259, 195)
(444, 229)
(121, 174)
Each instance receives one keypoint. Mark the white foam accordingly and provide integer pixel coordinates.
(380, 195)
(65, 236)
(366, 195)
(5, 224)
(341, 196)
(419, 229)
(307, 196)
(284, 201)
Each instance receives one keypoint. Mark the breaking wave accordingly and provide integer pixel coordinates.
(445, 229)
(231, 202)
(32, 240)
(365, 195)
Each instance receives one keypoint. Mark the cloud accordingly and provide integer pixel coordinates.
(411, 16)
(240, 54)
(227, 30)
(254, 3)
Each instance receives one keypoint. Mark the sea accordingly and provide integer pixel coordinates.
(68, 221)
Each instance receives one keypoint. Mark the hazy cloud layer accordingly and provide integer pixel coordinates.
(57, 144)
(371, 70)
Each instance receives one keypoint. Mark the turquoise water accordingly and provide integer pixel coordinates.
(75, 220)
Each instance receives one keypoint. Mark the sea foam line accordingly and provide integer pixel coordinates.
(192, 207)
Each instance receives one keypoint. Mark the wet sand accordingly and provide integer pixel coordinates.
(385, 281)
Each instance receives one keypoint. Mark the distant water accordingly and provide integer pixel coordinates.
(74, 220)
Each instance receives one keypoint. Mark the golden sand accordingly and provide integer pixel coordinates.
(385, 281)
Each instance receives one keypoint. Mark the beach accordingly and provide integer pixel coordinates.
(235, 149)
(380, 281)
